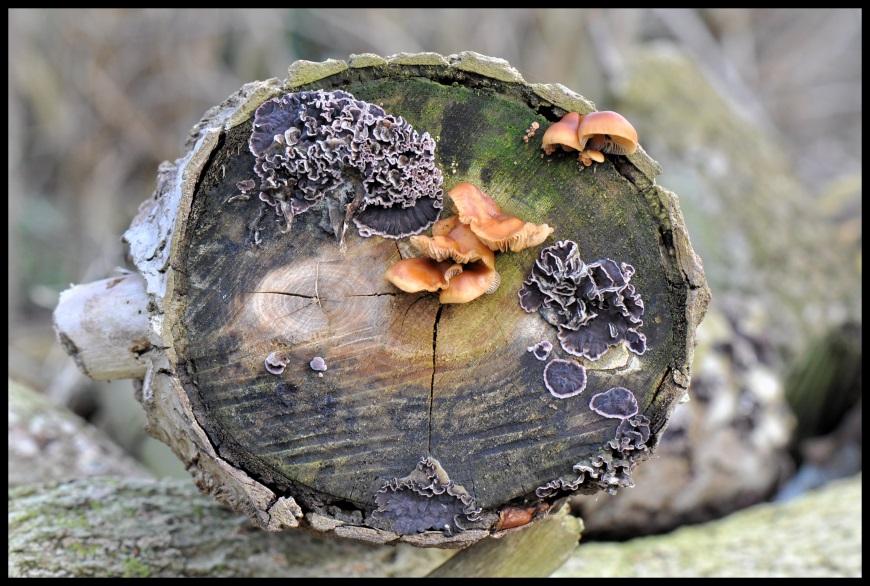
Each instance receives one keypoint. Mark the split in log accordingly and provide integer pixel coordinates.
(415, 394)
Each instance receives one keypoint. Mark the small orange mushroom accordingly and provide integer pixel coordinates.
(474, 280)
(499, 231)
(563, 132)
(459, 244)
(413, 275)
(608, 132)
(588, 156)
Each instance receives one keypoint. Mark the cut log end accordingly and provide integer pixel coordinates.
(423, 420)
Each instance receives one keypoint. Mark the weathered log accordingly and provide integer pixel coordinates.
(104, 327)
(49, 443)
(818, 534)
(113, 527)
(450, 390)
(532, 551)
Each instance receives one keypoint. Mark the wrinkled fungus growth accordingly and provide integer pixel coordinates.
(311, 145)
(425, 499)
(564, 378)
(632, 433)
(318, 364)
(541, 350)
(610, 469)
(617, 403)
(593, 306)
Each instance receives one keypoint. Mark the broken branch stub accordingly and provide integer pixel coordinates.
(302, 388)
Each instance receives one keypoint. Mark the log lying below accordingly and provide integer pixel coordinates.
(112, 527)
(818, 534)
(49, 443)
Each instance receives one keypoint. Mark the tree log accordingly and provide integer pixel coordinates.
(525, 552)
(447, 389)
(112, 527)
(49, 443)
(818, 534)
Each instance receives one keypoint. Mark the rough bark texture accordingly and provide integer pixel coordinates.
(49, 443)
(818, 534)
(104, 327)
(532, 551)
(220, 302)
(109, 527)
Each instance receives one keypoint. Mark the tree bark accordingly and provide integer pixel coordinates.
(225, 291)
(111, 527)
(535, 551)
(815, 535)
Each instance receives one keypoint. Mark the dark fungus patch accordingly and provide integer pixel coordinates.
(618, 403)
(541, 350)
(425, 500)
(564, 378)
(311, 145)
(593, 306)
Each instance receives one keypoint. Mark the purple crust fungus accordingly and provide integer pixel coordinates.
(317, 364)
(311, 144)
(541, 350)
(425, 499)
(275, 363)
(610, 469)
(616, 403)
(593, 306)
(564, 378)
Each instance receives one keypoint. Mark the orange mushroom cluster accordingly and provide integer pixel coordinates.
(592, 135)
(459, 258)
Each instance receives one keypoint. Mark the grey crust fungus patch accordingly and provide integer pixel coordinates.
(318, 364)
(425, 499)
(593, 306)
(618, 403)
(541, 350)
(318, 144)
(610, 469)
(275, 363)
(564, 378)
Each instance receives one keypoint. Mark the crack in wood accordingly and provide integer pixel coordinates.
(432, 382)
(318, 298)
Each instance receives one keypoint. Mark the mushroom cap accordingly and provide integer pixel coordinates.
(608, 132)
(596, 156)
(413, 275)
(563, 132)
(443, 226)
(499, 231)
(460, 245)
(474, 281)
